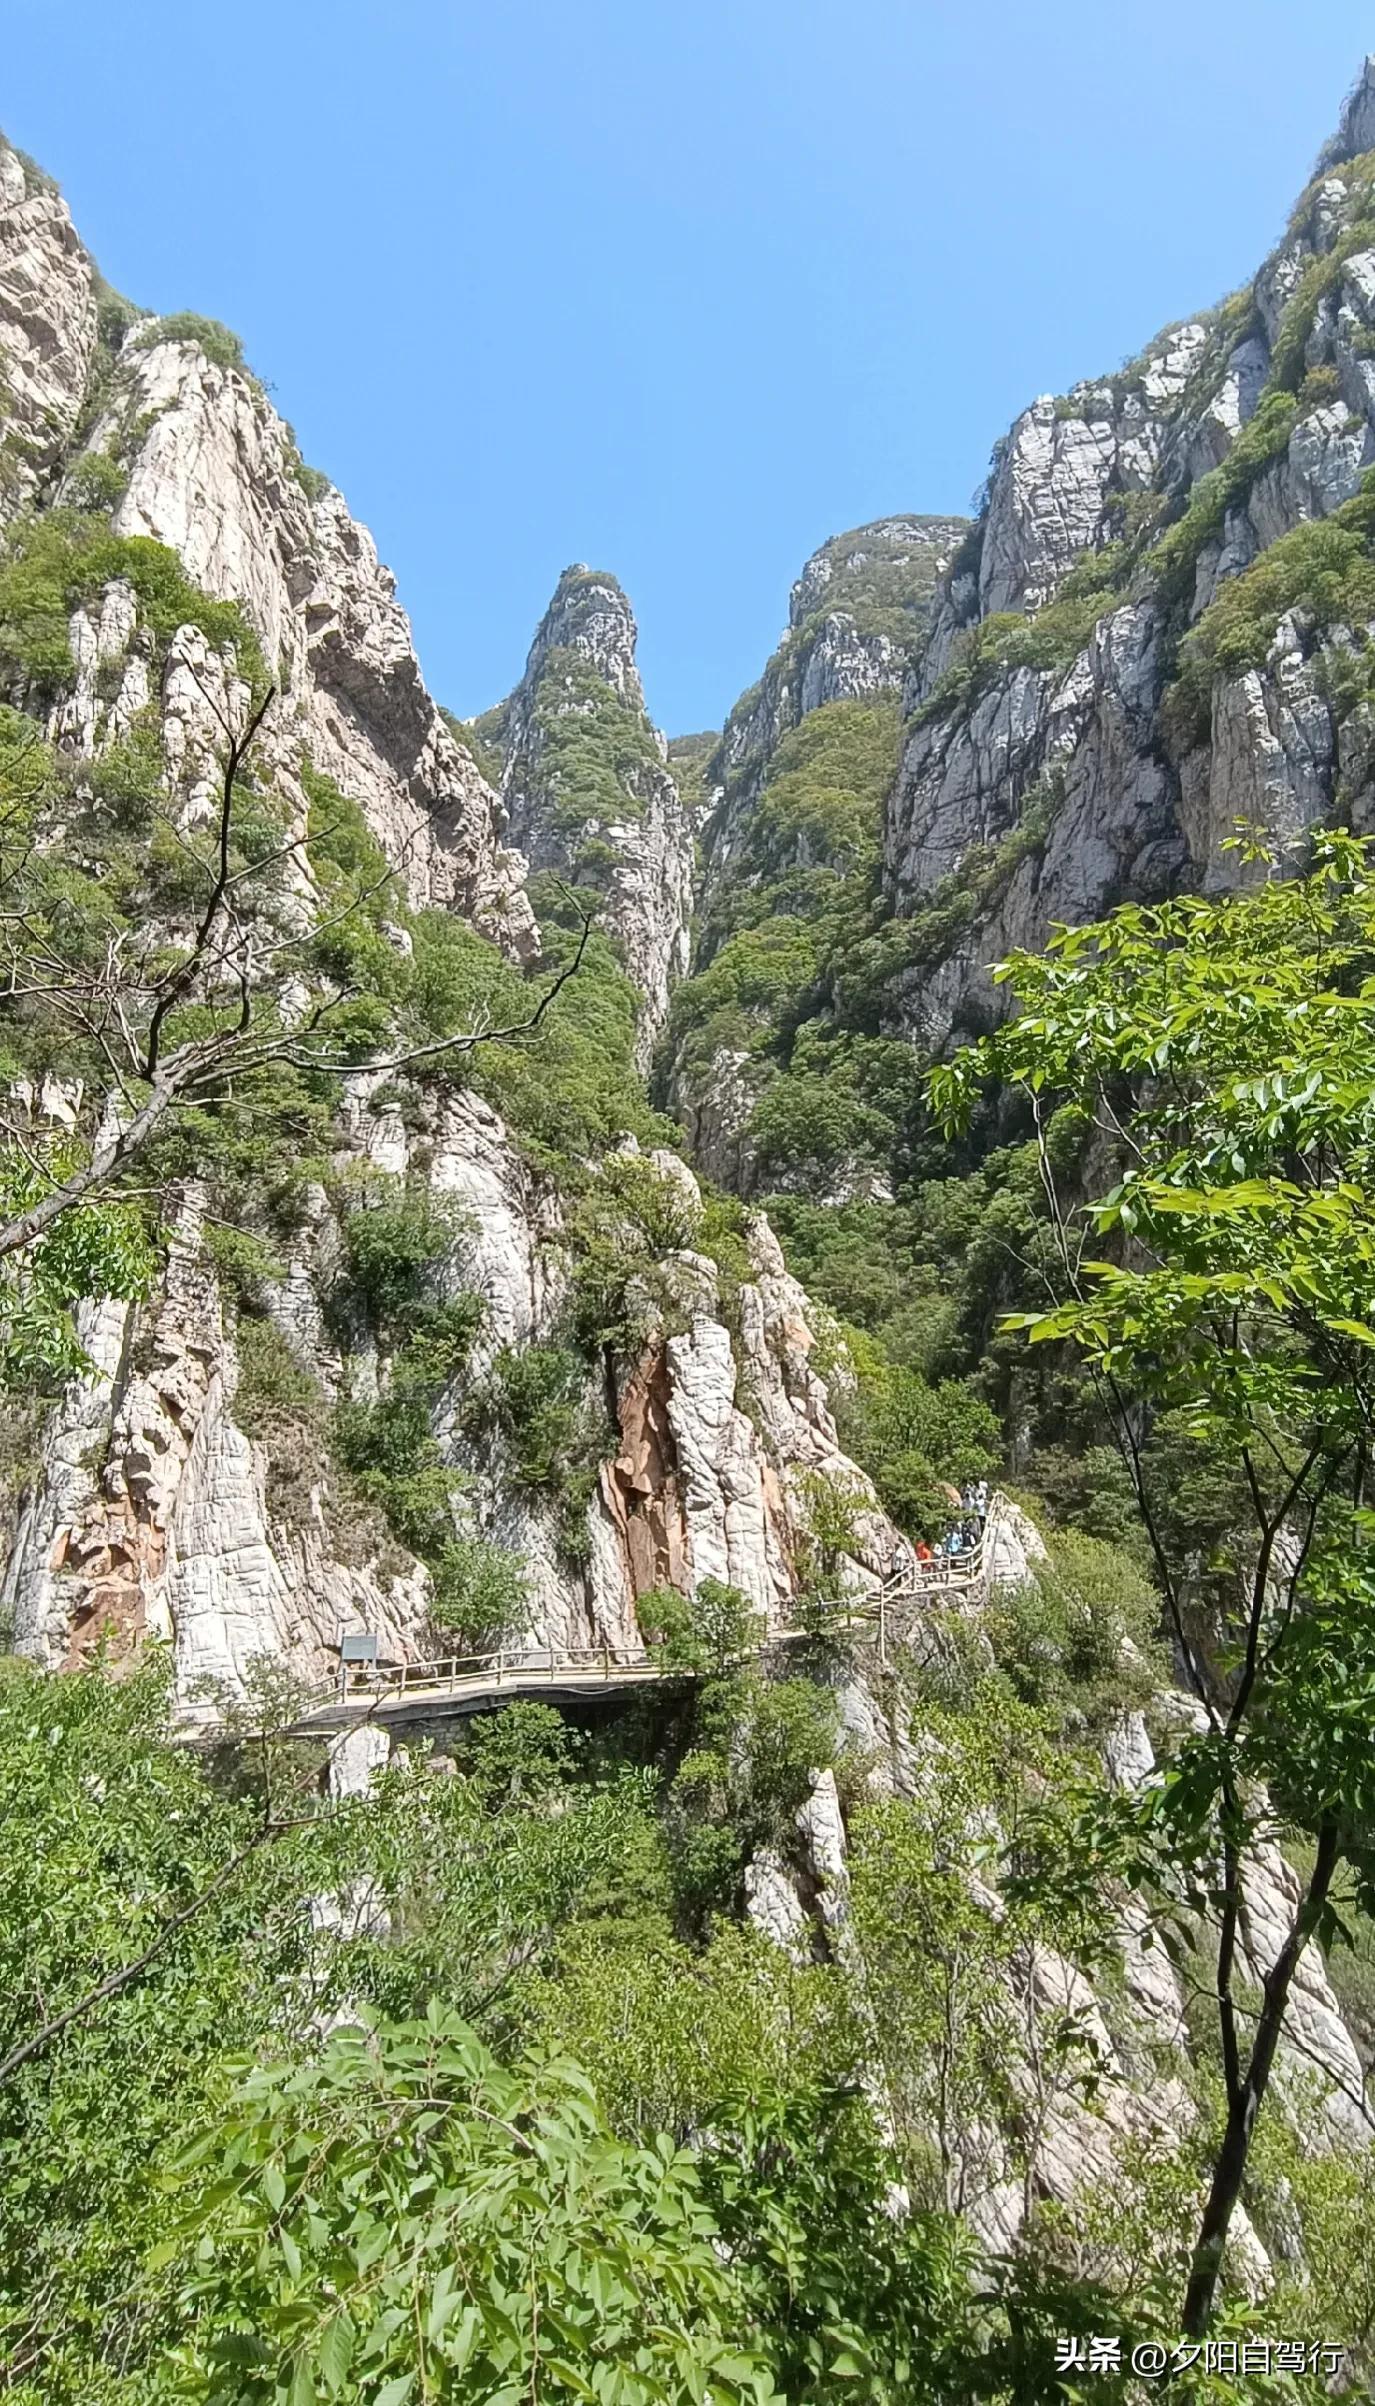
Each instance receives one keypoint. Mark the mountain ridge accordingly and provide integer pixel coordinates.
(607, 1280)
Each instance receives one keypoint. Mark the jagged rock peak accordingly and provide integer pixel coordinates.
(160, 419)
(49, 310)
(1134, 650)
(857, 618)
(590, 615)
(892, 562)
(587, 789)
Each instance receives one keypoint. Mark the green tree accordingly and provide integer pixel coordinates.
(162, 1908)
(405, 2218)
(708, 1630)
(974, 2056)
(1226, 1049)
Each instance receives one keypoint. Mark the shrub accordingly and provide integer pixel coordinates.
(480, 1589)
(361, 899)
(279, 1403)
(1171, 562)
(1321, 276)
(390, 1451)
(184, 326)
(313, 481)
(522, 1755)
(481, 740)
(706, 1631)
(756, 1745)
(915, 1439)
(556, 1439)
(634, 1216)
(495, 2247)
(64, 558)
(1079, 1638)
(394, 1236)
(1007, 641)
(808, 848)
(1324, 568)
(244, 1264)
(568, 1089)
(1320, 386)
(812, 1128)
(97, 482)
(829, 1537)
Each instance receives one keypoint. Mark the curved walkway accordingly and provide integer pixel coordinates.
(466, 1682)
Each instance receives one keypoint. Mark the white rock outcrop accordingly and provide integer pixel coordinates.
(48, 324)
(628, 834)
(213, 472)
(1065, 787)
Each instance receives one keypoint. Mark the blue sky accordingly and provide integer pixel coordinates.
(677, 287)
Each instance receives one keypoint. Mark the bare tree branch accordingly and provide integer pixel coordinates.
(223, 968)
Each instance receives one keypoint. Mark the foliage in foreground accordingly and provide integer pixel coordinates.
(1226, 1050)
(456, 2090)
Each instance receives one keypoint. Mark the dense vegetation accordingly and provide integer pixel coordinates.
(574, 753)
(912, 1248)
(487, 2086)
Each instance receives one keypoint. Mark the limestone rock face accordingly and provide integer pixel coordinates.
(1049, 494)
(855, 615)
(210, 469)
(773, 1905)
(1049, 791)
(1095, 761)
(155, 1513)
(587, 787)
(48, 313)
(721, 1436)
(213, 472)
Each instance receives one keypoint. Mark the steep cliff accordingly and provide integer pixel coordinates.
(585, 780)
(790, 849)
(51, 298)
(555, 1397)
(1158, 626)
(434, 1333)
(857, 617)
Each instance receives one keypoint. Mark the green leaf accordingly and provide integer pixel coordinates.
(303, 2391)
(395, 2393)
(335, 2352)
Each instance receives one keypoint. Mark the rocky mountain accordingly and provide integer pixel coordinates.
(584, 778)
(1159, 625)
(480, 1332)
(163, 419)
(183, 1490)
(797, 783)
(857, 618)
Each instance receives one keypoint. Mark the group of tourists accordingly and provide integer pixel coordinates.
(957, 1546)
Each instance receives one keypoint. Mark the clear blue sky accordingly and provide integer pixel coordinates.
(677, 287)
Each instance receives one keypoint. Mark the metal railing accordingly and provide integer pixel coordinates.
(945, 1574)
(528, 1662)
(365, 1688)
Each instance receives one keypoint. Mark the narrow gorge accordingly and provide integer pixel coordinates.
(549, 1239)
